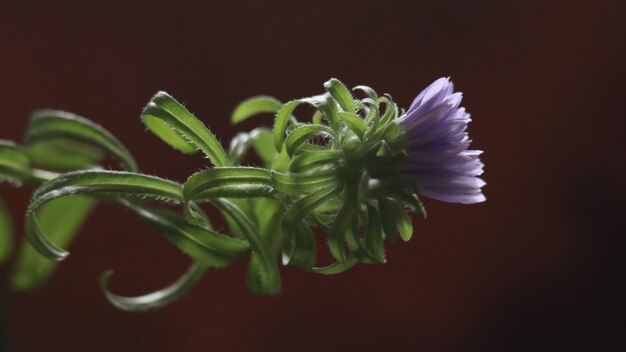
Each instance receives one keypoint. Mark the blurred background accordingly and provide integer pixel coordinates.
(535, 268)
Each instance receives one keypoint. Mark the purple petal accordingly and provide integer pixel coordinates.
(438, 160)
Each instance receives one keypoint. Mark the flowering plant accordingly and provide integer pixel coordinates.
(352, 170)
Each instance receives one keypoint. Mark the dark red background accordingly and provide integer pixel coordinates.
(535, 268)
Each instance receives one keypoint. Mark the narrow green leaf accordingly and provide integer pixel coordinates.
(14, 162)
(261, 141)
(6, 232)
(52, 126)
(412, 200)
(330, 111)
(317, 117)
(300, 248)
(374, 236)
(305, 205)
(239, 146)
(203, 245)
(371, 93)
(176, 126)
(306, 182)
(155, 299)
(309, 161)
(269, 277)
(238, 181)
(302, 133)
(337, 267)
(405, 226)
(390, 132)
(97, 183)
(341, 225)
(265, 211)
(394, 220)
(263, 145)
(354, 123)
(64, 155)
(341, 94)
(284, 114)
(254, 106)
(60, 219)
(373, 120)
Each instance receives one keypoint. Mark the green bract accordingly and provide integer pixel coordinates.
(329, 175)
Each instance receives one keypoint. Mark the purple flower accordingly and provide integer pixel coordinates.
(436, 143)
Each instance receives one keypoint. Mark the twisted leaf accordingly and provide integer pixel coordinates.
(97, 183)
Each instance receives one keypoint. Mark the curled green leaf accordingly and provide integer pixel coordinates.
(309, 161)
(284, 114)
(95, 183)
(60, 220)
(337, 267)
(305, 183)
(300, 248)
(306, 205)
(371, 93)
(354, 123)
(341, 94)
(228, 182)
(302, 133)
(155, 299)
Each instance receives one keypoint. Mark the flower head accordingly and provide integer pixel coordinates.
(438, 161)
